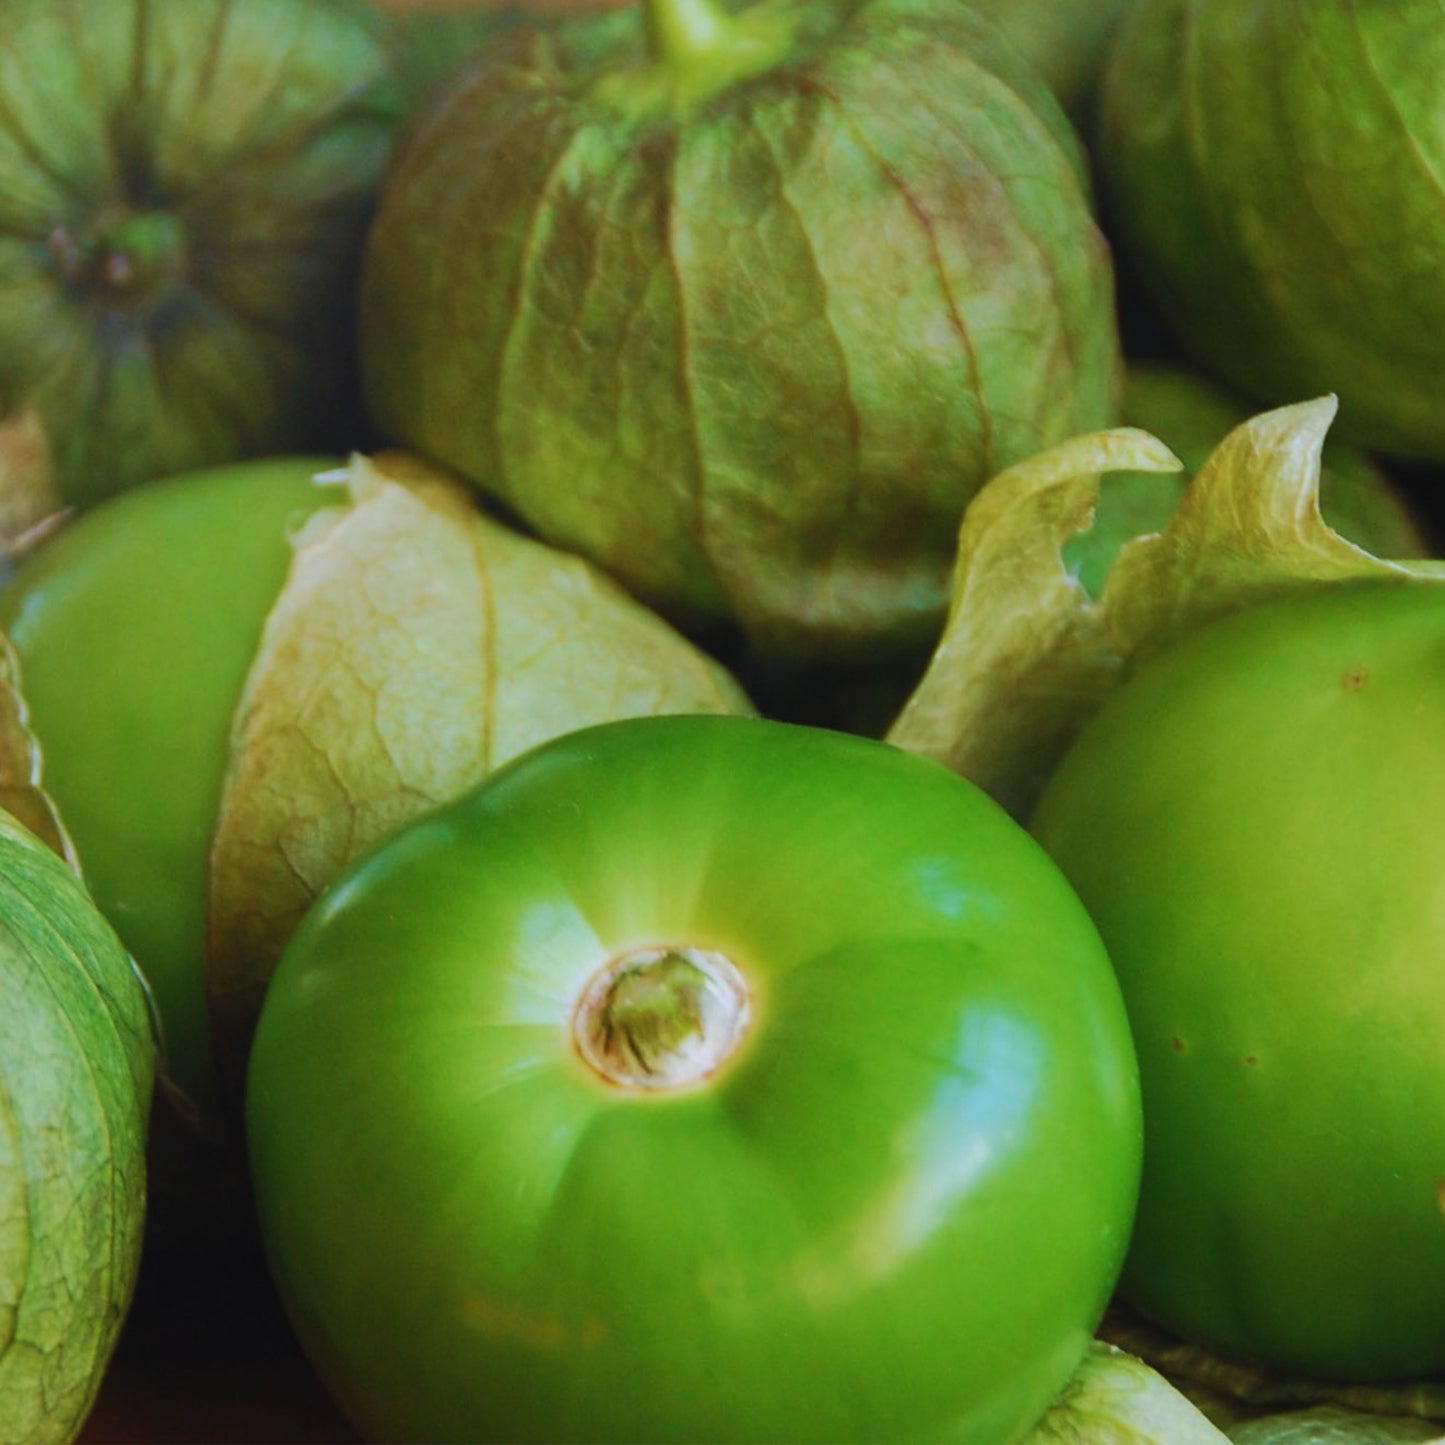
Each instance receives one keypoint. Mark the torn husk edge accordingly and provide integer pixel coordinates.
(1027, 656)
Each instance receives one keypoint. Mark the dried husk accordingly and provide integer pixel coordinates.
(416, 645)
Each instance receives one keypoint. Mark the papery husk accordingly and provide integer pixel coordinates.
(1335, 1425)
(748, 332)
(416, 645)
(1114, 1398)
(1262, 1407)
(1027, 655)
(1192, 414)
(77, 1062)
(31, 507)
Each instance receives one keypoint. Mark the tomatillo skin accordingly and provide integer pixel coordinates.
(1254, 822)
(135, 628)
(698, 1079)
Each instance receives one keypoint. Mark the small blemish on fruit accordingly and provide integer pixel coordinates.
(1251, 1059)
(1354, 679)
(1177, 1044)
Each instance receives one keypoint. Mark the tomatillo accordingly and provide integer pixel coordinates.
(698, 1078)
(1254, 822)
(135, 628)
(241, 678)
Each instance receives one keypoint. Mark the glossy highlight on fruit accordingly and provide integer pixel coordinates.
(697, 1079)
(243, 677)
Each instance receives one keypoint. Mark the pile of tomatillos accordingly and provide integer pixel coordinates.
(726, 713)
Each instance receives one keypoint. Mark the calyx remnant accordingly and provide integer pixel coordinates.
(662, 1018)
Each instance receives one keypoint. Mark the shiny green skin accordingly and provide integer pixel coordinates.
(184, 185)
(1253, 821)
(1191, 415)
(895, 1213)
(135, 627)
(1271, 169)
(749, 343)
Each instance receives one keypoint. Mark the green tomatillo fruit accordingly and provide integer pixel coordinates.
(242, 677)
(1253, 821)
(77, 1059)
(1272, 168)
(184, 185)
(698, 1079)
(135, 628)
(744, 306)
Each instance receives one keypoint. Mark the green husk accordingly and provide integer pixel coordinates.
(1027, 655)
(77, 1064)
(747, 326)
(1192, 415)
(184, 185)
(417, 645)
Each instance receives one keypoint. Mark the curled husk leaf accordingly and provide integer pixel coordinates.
(1027, 655)
(1116, 1399)
(184, 186)
(417, 645)
(1024, 652)
(1192, 414)
(77, 1062)
(748, 327)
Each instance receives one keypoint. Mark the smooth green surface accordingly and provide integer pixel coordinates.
(895, 1213)
(135, 627)
(754, 353)
(1254, 823)
(77, 1059)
